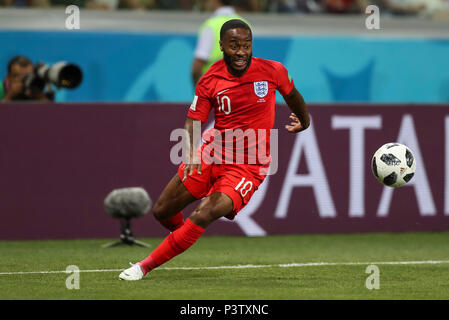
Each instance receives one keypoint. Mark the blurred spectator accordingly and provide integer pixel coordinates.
(430, 8)
(345, 6)
(102, 4)
(107, 4)
(311, 6)
(24, 3)
(400, 7)
(443, 12)
(13, 88)
(88, 4)
(295, 6)
(207, 50)
(250, 5)
(174, 4)
(136, 4)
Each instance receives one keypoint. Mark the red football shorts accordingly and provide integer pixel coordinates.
(237, 181)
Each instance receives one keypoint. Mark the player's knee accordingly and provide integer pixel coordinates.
(160, 211)
(207, 214)
(211, 208)
(203, 217)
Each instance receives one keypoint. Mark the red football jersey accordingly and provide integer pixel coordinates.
(246, 102)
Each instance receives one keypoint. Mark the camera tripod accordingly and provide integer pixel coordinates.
(126, 236)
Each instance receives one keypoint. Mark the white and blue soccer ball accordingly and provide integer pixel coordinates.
(393, 164)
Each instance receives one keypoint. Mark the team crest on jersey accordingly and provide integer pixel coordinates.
(261, 88)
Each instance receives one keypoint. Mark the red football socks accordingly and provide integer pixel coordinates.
(177, 242)
(174, 222)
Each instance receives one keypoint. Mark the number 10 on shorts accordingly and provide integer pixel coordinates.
(244, 187)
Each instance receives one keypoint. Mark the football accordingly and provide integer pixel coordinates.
(393, 164)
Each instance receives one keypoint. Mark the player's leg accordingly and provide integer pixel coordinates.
(178, 194)
(174, 198)
(227, 196)
(210, 209)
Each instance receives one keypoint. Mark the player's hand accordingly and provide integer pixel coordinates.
(295, 126)
(190, 168)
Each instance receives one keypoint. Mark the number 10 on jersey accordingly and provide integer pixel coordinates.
(244, 187)
(224, 104)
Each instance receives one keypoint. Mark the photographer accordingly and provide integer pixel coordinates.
(14, 88)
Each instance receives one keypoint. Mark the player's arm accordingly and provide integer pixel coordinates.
(300, 116)
(202, 53)
(198, 112)
(197, 69)
(193, 130)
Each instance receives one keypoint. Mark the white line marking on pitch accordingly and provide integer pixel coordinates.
(252, 266)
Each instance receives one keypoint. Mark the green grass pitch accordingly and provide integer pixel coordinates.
(270, 280)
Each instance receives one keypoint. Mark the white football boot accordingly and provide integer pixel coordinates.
(133, 273)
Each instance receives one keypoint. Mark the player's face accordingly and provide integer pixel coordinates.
(237, 50)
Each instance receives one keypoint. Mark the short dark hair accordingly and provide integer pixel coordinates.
(233, 24)
(20, 60)
(226, 2)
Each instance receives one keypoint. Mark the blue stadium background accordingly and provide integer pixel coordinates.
(135, 67)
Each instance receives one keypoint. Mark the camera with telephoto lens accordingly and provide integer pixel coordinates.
(61, 74)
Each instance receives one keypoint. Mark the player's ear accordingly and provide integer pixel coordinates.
(221, 45)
